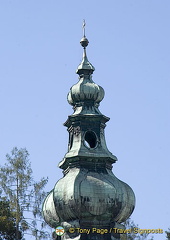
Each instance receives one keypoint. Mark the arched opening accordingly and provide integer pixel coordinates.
(90, 139)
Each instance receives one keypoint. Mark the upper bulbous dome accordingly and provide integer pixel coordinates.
(85, 91)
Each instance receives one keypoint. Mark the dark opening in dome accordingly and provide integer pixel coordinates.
(90, 139)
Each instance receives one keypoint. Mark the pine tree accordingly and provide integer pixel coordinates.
(24, 194)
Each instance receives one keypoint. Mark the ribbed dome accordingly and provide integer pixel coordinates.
(87, 195)
(85, 91)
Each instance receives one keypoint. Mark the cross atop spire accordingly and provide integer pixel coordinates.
(84, 24)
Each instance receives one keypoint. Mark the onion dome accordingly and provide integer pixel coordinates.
(96, 198)
(85, 92)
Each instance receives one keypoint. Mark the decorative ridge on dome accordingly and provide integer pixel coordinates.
(85, 67)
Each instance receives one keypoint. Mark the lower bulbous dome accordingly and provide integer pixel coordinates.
(85, 91)
(87, 195)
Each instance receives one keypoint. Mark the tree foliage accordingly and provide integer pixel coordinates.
(7, 221)
(24, 194)
(168, 234)
(129, 224)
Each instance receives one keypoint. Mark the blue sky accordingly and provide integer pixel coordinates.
(130, 49)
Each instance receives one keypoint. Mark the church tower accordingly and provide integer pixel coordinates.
(89, 202)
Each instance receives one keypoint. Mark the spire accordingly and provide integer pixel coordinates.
(85, 67)
(85, 93)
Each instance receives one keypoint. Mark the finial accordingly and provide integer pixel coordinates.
(85, 66)
(84, 41)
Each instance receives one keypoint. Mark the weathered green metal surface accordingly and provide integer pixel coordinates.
(89, 196)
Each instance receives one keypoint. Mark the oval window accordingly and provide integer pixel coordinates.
(90, 139)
